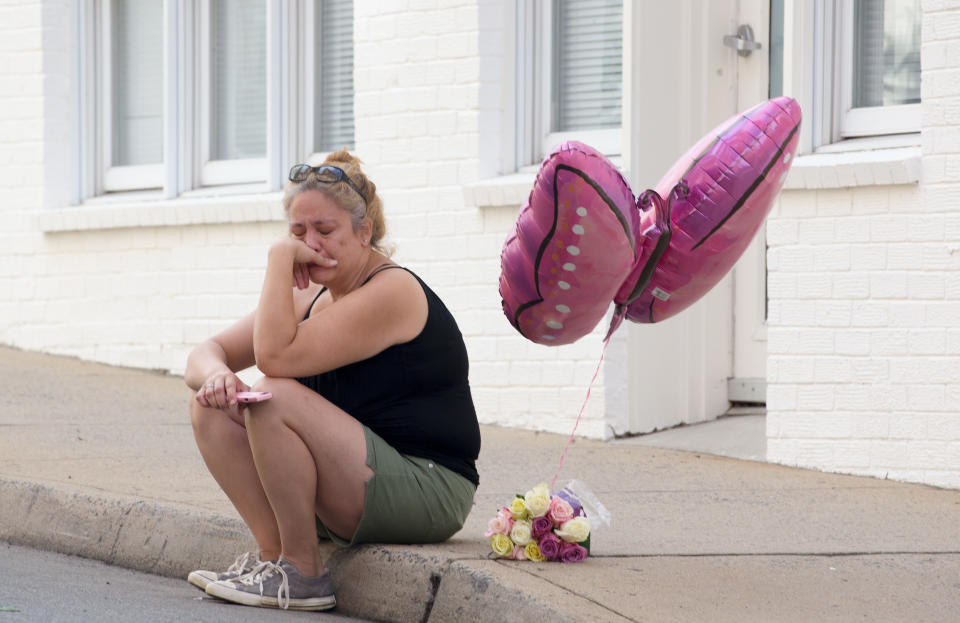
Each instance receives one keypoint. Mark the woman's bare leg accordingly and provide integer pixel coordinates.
(223, 443)
(311, 457)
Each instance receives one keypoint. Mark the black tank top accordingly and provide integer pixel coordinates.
(414, 395)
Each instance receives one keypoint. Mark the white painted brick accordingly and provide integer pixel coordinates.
(815, 397)
(853, 342)
(887, 397)
(852, 397)
(888, 454)
(851, 286)
(888, 285)
(833, 202)
(904, 257)
(927, 286)
(795, 369)
(779, 285)
(946, 314)
(889, 342)
(817, 231)
(782, 232)
(833, 370)
(869, 370)
(944, 427)
(953, 340)
(869, 200)
(870, 313)
(797, 313)
(833, 313)
(832, 257)
(906, 314)
(927, 397)
(868, 257)
(853, 229)
(928, 341)
(814, 285)
(781, 397)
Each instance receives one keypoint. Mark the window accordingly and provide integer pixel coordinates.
(569, 79)
(234, 92)
(131, 111)
(332, 75)
(183, 94)
(866, 68)
(884, 72)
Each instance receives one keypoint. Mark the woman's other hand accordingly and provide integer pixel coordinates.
(220, 389)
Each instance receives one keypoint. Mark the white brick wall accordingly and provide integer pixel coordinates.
(428, 115)
(864, 336)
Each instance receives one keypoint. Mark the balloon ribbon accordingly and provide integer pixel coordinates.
(580, 415)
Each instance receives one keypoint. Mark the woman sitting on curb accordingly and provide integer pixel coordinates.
(371, 433)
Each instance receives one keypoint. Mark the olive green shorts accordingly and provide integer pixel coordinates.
(408, 499)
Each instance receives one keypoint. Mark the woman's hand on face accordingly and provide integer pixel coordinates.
(303, 257)
(220, 389)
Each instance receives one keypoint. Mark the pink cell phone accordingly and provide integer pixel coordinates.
(253, 396)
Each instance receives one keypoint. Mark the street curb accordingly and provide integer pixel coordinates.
(406, 584)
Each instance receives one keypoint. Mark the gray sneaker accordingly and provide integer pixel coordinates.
(241, 566)
(277, 585)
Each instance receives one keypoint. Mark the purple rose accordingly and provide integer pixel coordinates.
(541, 526)
(571, 552)
(550, 546)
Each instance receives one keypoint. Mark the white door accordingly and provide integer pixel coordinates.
(750, 273)
(680, 81)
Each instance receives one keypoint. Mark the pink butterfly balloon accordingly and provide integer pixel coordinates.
(580, 240)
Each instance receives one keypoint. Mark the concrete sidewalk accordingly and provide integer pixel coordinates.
(100, 462)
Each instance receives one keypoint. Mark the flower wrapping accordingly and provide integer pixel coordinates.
(541, 527)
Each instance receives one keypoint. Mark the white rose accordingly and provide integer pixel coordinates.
(522, 532)
(574, 531)
(538, 503)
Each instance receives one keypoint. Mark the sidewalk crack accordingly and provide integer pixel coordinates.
(435, 578)
(590, 599)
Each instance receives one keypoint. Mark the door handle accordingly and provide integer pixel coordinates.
(743, 41)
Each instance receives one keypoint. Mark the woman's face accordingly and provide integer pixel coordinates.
(326, 228)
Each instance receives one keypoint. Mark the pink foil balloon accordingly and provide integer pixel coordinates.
(580, 241)
(571, 248)
(732, 176)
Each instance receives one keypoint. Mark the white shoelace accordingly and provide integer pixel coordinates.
(242, 560)
(265, 570)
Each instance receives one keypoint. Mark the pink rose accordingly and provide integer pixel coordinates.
(519, 553)
(560, 510)
(571, 552)
(541, 526)
(550, 546)
(501, 524)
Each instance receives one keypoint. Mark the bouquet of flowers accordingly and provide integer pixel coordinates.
(541, 527)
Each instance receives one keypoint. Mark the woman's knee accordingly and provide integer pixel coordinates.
(276, 385)
(206, 421)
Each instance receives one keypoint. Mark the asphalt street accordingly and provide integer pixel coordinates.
(43, 586)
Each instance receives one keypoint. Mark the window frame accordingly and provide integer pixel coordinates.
(186, 167)
(834, 117)
(873, 120)
(122, 177)
(534, 86)
(224, 172)
(307, 81)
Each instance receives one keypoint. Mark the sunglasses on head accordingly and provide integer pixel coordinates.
(327, 173)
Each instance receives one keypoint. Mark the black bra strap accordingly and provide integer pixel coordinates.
(314, 302)
(381, 268)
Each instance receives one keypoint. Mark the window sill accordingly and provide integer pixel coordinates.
(513, 189)
(875, 161)
(504, 191)
(147, 209)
